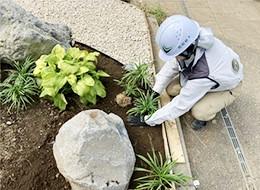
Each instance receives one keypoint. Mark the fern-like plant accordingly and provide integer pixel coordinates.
(159, 174)
(20, 87)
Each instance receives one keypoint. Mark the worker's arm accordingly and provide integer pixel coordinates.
(169, 70)
(191, 93)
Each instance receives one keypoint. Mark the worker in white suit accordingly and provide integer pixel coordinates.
(200, 72)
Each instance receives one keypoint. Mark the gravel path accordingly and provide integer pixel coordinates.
(113, 27)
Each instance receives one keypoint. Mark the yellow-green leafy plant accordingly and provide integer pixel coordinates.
(72, 69)
(159, 174)
(20, 87)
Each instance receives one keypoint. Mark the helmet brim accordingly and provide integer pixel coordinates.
(163, 56)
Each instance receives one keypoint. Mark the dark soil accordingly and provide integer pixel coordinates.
(26, 138)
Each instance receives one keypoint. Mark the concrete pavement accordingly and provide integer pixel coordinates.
(212, 158)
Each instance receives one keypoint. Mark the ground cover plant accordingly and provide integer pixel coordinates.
(73, 70)
(136, 82)
(144, 104)
(134, 78)
(159, 174)
(19, 88)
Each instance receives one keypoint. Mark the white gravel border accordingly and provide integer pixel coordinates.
(116, 28)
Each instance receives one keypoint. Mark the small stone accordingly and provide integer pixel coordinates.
(122, 100)
(214, 121)
(9, 123)
(57, 175)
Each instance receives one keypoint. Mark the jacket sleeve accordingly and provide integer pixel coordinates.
(169, 70)
(191, 93)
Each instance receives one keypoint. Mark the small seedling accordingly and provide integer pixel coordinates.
(144, 104)
(158, 12)
(136, 77)
(19, 88)
(158, 173)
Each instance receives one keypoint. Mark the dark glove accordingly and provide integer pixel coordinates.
(155, 94)
(136, 120)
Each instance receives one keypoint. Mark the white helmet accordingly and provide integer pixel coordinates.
(176, 34)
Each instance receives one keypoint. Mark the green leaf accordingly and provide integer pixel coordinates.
(92, 56)
(40, 65)
(52, 61)
(60, 101)
(82, 87)
(90, 65)
(72, 79)
(102, 74)
(100, 89)
(88, 80)
(53, 82)
(68, 67)
(82, 70)
(58, 51)
(89, 97)
(48, 91)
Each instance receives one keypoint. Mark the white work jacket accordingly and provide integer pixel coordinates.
(215, 68)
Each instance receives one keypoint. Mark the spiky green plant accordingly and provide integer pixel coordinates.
(138, 76)
(144, 104)
(159, 174)
(158, 12)
(19, 88)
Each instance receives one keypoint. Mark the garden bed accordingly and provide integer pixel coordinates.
(26, 139)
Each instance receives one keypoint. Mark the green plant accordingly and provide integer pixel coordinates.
(19, 88)
(144, 104)
(136, 77)
(73, 70)
(158, 12)
(159, 174)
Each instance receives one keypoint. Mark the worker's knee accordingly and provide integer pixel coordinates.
(173, 89)
(201, 112)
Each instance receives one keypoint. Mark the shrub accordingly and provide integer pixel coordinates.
(19, 88)
(72, 70)
(159, 173)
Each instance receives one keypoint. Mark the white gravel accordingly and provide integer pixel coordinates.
(113, 27)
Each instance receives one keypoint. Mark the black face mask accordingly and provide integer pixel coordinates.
(188, 52)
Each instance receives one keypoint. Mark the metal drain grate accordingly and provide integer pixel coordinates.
(238, 150)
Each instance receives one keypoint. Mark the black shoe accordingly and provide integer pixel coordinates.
(198, 124)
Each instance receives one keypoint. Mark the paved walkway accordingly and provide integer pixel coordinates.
(212, 158)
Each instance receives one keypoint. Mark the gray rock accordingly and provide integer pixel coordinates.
(93, 152)
(22, 34)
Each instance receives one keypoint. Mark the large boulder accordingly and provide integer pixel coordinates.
(93, 152)
(22, 34)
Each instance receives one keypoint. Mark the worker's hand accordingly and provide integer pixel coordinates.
(136, 120)
(155, 94)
